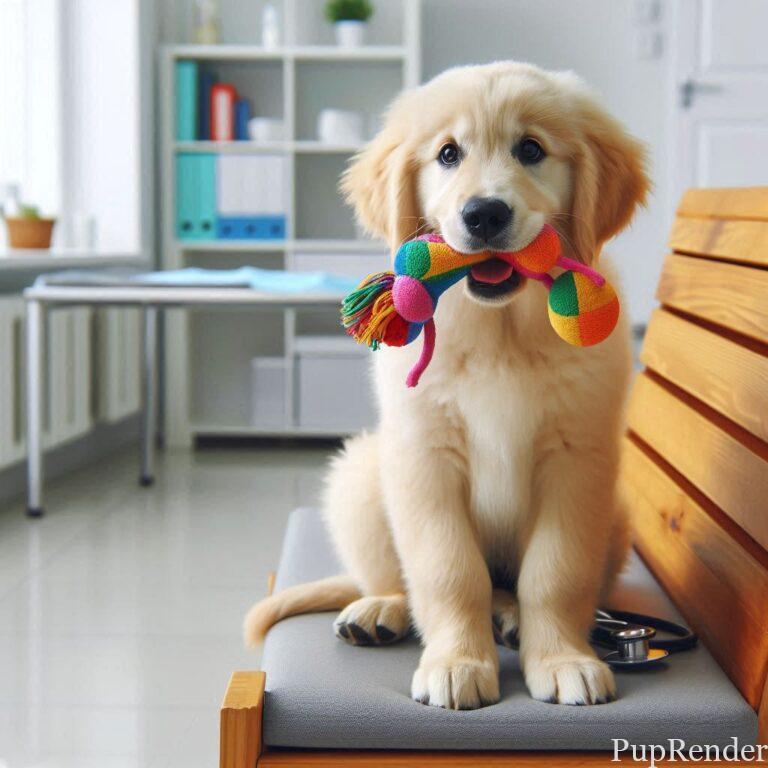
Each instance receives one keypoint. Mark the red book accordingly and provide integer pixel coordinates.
(223, 97)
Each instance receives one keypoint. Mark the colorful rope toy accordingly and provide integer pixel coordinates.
(393, 307)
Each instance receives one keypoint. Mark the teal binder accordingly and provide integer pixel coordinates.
(195, 196)
(206, 196)
(186, 196)
(186, 100)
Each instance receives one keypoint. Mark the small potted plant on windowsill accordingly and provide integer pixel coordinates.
(27, 229)
(350, 20)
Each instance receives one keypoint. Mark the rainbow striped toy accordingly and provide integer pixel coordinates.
(392, 308)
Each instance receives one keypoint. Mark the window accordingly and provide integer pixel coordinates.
(70, 114)
(30, 128)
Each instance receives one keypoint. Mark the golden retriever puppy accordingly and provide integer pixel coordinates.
(484, 506)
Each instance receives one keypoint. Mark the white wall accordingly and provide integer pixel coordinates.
(598, 39)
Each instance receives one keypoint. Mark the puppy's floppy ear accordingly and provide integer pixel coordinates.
(380, 183)
(610, 181)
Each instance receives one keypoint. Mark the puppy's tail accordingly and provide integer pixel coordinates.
(329, 594)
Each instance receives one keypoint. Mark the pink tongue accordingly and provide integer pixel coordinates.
(492, 271)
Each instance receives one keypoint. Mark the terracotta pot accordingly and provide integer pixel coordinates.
(29, 233)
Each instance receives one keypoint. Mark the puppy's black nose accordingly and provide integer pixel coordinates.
(485, 217)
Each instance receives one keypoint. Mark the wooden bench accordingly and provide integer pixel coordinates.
(694, 474)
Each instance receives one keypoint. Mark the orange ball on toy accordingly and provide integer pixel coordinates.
(542, 253)
(581, 312)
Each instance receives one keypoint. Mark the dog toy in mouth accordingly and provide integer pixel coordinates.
(392, 308)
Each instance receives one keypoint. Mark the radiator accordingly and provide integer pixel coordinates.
(11, 381)
(92, 373)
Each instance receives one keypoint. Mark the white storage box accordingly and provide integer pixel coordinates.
(269, 392)
(333, 384)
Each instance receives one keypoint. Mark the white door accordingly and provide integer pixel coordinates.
(722, 94)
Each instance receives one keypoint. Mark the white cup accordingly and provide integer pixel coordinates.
(340, 126)
(265, 129)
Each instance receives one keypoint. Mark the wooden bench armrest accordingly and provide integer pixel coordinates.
(240, 742)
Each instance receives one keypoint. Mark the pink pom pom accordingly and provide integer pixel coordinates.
(412, 300)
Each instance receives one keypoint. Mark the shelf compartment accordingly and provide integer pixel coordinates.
(320, 211)
(330, 84)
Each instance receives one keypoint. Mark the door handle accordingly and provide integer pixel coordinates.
(690, 87)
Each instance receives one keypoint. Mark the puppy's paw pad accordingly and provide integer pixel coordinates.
(575, 679)
(373, 621)
(459, 683)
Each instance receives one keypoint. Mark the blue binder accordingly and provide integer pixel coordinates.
(186, 100)
(206, 81)
(242, 116)
(251, 227)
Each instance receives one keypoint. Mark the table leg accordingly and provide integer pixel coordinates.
(149, 395)
(34, 387)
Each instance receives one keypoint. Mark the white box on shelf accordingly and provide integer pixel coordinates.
(333, 384)
(355, 265)
(269, 392)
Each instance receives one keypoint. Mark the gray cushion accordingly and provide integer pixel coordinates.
(322, 692)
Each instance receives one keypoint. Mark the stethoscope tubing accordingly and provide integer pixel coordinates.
(683, 638)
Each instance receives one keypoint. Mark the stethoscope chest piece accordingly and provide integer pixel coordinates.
(633, 649)
(632, 638)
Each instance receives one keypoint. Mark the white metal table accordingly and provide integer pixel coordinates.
(151, 300)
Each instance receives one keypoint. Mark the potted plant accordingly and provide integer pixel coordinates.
(349, 19)
(28, 229)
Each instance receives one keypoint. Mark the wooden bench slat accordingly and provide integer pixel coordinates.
(745, 241)
(720, 466)
(730, 378)
(725, 203)
(719, 588)
(730, 295)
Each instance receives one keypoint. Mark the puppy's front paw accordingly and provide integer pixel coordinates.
(456, 683)
(570, 678)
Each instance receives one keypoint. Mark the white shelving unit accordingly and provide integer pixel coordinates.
(207, 382)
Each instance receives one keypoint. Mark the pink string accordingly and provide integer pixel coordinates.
(540, 276)
(427, 351)
(577, 266)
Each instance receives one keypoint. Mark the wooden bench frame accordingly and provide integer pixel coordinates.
(695, 476)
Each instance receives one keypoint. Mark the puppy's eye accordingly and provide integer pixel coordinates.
(448, 155)
(530, 152)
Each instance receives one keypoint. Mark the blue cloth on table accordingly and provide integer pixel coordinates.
(267, 280)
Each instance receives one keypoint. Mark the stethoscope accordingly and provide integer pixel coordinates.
(632, 636)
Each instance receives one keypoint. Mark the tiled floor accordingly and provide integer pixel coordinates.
(120, 611)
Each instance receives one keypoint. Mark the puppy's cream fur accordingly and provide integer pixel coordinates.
(499, 469)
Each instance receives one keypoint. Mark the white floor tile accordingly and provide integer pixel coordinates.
(120, 611)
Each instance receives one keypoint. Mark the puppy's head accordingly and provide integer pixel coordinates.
(486, 155)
